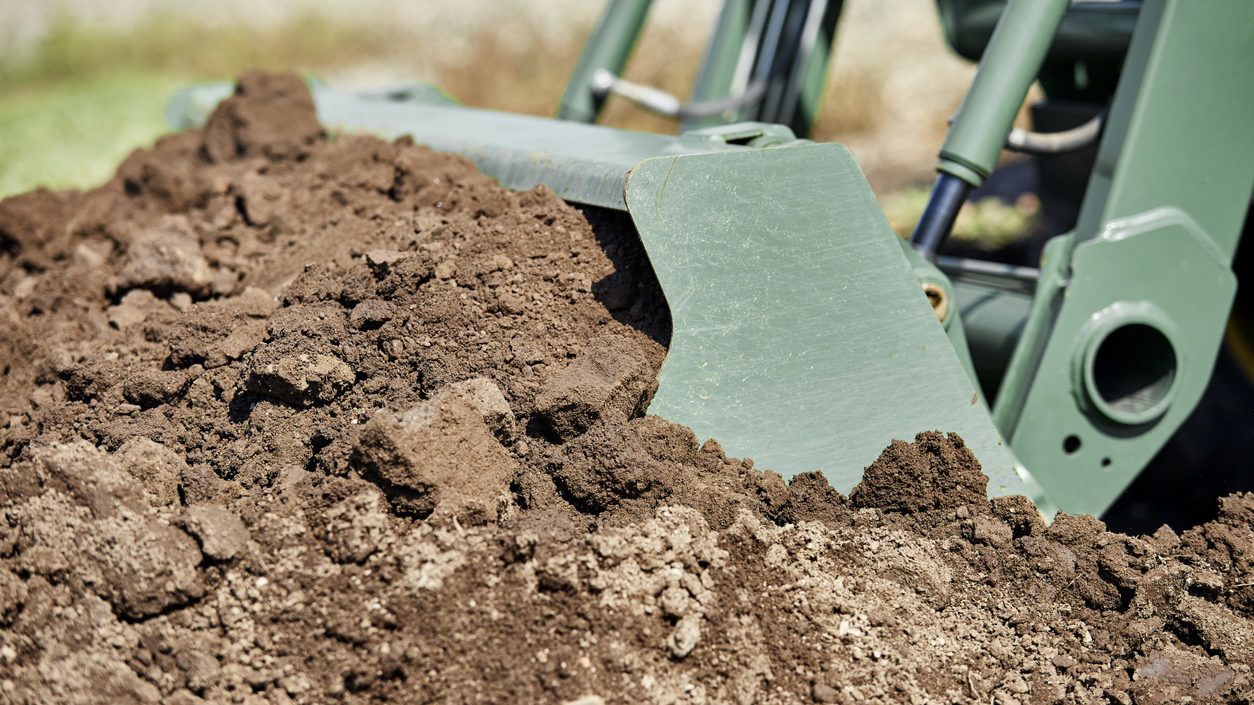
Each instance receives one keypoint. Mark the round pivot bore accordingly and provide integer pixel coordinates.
(1127, 364)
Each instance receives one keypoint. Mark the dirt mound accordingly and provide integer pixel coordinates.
(293, 419)
(934, 472)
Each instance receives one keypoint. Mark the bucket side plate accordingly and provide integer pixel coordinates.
(801, 337)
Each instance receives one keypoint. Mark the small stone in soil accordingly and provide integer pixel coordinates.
(165, 258)
(684, 638)
(439, 458)
(221, 534)
(300, 379)
(611, 377)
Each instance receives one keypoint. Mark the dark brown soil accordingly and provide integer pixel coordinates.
(294, 419)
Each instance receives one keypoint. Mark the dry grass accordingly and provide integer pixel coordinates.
(515, 67)
(521, 78)
(853, 104)
(508, 71)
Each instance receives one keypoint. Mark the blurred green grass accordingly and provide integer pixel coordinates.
(73, 108)
(73, 133)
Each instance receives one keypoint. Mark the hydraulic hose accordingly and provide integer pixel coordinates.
(947, 197)
(1079, 137)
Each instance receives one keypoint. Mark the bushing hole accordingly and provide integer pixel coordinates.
(1133, 370)
(1071, 444)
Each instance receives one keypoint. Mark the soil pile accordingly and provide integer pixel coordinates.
(288, 418)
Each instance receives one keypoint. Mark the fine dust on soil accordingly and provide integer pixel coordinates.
(297, 419)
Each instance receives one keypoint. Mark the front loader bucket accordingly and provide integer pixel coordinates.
(801, 338)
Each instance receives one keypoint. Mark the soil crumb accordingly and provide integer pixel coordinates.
(293, 419)
(937, 471)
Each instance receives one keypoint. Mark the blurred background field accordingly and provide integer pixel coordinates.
(82, 83)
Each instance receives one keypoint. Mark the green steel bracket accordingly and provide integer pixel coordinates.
(750, 134)
(1128, 356)
(1130, 308)
(609, 48)
(1025, 361)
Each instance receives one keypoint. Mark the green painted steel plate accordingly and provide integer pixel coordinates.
(801, 336)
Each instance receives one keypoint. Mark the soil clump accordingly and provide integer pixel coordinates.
(292, 419)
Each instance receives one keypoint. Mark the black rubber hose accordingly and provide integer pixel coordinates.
(938, 218)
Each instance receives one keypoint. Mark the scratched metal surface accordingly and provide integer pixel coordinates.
(801, 338)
